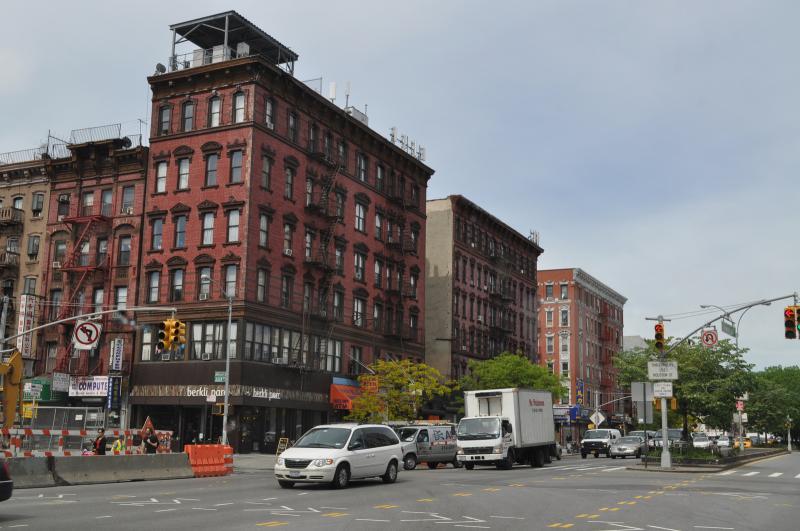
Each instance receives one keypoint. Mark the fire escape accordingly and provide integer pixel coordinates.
(608, 346)
(321, 205)
(501, 295)
(81, 268)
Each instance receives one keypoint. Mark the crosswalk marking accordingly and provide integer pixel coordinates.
(776, 474)
(614, 468)
(751, 474)
(727, 473)
(797, 476)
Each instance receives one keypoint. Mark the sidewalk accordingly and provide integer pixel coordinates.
(253, 463)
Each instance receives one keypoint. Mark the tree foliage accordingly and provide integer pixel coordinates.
(403, 387)
(511, 370)
(775, 395)
(709, 379)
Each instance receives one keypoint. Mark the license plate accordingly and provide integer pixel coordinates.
(294, 474)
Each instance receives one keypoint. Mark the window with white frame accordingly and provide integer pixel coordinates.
(359, 311)
(550, 344)
(263, 230)
(361, 217)
(360, 261)
(161, 177)
(564, 317)
(183, 174)
(233, 225)
(563, 294)
(153, 284)
(238, 107)
(261, 286)
(236, 166)
(231, 273)
(208, 228)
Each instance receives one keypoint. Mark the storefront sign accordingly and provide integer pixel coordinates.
(25, 320)
(203, 391)
(37, 389)
(342, 396)
(88, 386)
(114, 392)
(60, 382)
(115, 354)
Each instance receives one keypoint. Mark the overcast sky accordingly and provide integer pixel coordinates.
(652, 144)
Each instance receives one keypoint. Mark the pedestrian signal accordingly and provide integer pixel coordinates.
(790, 322)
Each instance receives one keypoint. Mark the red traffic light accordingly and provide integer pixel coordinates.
(790, 322)
(659, 328)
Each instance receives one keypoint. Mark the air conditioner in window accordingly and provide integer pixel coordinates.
(464, 348)
(205, 356)
(270, 125)
(127, 210)
(61, 217)
(485, 287)
(203, 296)
(480, 318)
(287, 252)
(165, 356)
(56, 265)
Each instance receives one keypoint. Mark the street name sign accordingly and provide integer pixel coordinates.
(662, 370)
(219, 376)
(662, 389)
(729, 328)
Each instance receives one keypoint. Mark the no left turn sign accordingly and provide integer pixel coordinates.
(709, 337)
(86, 335)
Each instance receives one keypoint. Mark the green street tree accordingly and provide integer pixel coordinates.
(404, 386)
(775, 395)
(511, 370)
(709, 379)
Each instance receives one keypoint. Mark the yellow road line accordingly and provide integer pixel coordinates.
(334, 515)
(385, 506)
(425, 500)
(272, 524)
(491, 489)
(462, 494)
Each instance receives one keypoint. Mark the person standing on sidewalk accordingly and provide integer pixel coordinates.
(150, 442)
(119, 444)
(99, 445)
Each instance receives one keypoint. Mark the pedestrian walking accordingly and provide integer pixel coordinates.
(150, 442)
(99, 445)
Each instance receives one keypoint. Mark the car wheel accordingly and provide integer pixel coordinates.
(457, 463)
(410, 462)
(433, 466)
(391, 473)
(613, 457)
(596, 455)
(583, 455)
(558, 455)
(285, 484)
(341, 478)
(469, 466)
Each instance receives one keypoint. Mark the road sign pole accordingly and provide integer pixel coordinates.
(666, 457)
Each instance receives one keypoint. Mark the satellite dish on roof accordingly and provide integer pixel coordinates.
(126, 142)
(160, 69)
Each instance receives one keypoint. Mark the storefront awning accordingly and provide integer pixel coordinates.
(342, 396)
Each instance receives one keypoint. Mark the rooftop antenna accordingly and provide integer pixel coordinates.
(347, 95)
(332, 91)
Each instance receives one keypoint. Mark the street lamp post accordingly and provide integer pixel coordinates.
(227, 363)
(789, 433)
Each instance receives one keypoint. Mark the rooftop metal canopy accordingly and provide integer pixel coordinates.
(228, 29)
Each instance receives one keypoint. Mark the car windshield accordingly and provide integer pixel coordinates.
(324, 438)
(629, 440)
(488, 428)
(700, 438)
(595, 434)
(672, 433)
(407, 434)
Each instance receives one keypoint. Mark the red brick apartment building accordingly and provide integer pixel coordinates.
(580, 329)
(264, 191)
(94, 222)
(481, 286)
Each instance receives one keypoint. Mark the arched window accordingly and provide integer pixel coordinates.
(238, 107)
(187, 116)
(213, 111)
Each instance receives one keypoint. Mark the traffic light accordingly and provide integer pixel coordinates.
(180, 333)
(673, 404)
(166, 334)
(657, 404)
(790, 322)
(659, 328)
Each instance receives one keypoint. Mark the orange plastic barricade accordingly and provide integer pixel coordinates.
(228, 455)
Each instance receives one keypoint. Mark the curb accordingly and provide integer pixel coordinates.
(709, 468)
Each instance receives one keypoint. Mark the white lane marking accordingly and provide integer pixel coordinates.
(222, 504)
(664, 528)
(776, 475)
(302, 493)
(751, 474)
(710, 527)
(313, 510)
(727, 473)
(336, 508)
(165, 510)
(18, 525)
(478, 526)
(797, 476)
(588, 468)
(106, 516)
(371, 520)
(613, 469)
(508, 517)
(285, 508)
(269, 499)
(618, 525)
(202, 509)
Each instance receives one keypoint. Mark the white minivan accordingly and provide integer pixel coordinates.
(337, 453)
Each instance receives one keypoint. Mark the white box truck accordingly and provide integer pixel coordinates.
(506, 426)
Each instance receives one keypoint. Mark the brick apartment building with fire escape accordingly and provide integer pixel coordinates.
(481, 286)
(94, 220)
(581, 323)
(265, 193)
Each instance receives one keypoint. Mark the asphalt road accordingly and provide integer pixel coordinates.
(592, 494)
